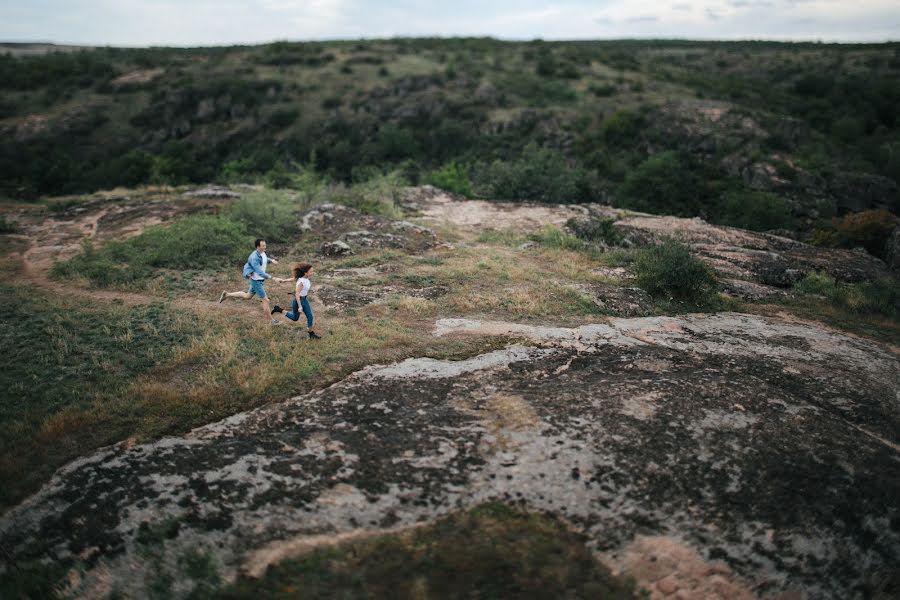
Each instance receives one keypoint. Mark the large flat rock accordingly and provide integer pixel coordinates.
(773, 447)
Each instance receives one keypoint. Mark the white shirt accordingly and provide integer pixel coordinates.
(303, 286)
(254, 275)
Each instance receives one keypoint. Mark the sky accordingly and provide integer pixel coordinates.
(224, 22)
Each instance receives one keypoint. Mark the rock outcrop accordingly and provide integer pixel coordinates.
(769, 445)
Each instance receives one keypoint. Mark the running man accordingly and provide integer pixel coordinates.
(255, 269)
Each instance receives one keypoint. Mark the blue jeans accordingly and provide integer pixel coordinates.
(295, 312)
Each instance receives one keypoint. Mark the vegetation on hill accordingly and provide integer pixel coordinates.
(565, 121)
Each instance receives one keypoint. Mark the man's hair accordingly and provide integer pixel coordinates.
(259, 241)
(300, 269)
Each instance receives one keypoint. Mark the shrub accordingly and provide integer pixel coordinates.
(375, 196)
(283, 117)
(6, 226)
(878, 297)
(240, 170)
(332, 102)
(596, 230)
(267, 214)
(668, 270)
(754, 210)
(553, 237)
(662, 184)
(452, 177)
(539, 174)
(869, 229)
(621, 127)
(820, 284)
(604, 90)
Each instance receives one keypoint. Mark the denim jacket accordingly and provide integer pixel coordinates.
(255, 265)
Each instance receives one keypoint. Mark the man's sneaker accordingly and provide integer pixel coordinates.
(276, 322)
(314, 336)
(277, 309)
(222, 297)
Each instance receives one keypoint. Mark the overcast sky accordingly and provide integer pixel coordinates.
(215, 22)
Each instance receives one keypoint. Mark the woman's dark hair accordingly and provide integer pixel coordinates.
(300, 269)
(259, 241)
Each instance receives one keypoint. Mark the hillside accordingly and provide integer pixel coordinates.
(759, 135)
(553, 396)
(599, 319)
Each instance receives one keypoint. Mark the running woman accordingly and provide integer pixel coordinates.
(302, 272)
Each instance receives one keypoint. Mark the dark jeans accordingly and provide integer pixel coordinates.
(295, 312)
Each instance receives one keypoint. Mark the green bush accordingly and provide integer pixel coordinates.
(194, 242)
(375, 196)
(869, 229)
(539, 174)
(452, 177)
(878, 297)
(663, 184)
(596, 230)
(268, 214)
(670, 271)
(6, 226)
(820, 284)
(554, 237)
(622, 126)
(754, 210)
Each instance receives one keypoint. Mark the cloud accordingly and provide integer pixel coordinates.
(207, 22)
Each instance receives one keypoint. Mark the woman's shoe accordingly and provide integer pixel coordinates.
(314, 336)
(277, 309)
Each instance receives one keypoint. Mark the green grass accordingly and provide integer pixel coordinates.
(880, 297)
(491, 551)
(554, 237)
(61, 359)
(194, 242)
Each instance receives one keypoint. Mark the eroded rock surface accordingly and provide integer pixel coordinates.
(766, 447)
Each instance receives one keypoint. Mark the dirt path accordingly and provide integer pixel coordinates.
(56, 237)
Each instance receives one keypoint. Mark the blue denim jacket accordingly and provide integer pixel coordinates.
(254, 265)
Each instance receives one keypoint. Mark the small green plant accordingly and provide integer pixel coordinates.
(554, 237)
(663, 184)
(750, 209)
(820, 284)
(375, 195)
(540, 174)
(596, 230)
(269, 214)
(670, 271)
(7, 226)
(878, 297)
(452, 177)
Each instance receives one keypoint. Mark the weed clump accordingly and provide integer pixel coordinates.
(669, 271)
(596, 230)
(878, 297)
